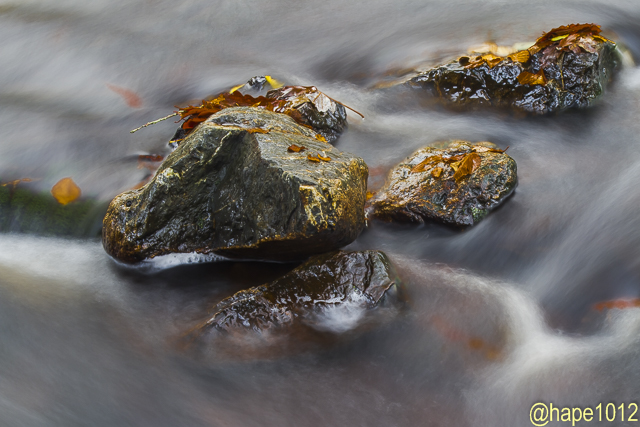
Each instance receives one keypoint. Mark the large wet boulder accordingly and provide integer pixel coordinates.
(238, 187)
(568, 67)
(330, 291)
(458, 184)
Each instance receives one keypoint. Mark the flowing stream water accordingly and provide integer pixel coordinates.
(501, 316)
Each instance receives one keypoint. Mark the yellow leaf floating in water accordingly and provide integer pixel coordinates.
(65, 191)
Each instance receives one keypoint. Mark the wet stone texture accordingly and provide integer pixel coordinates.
(356, 280)
(549, 77)
(234, 188)
(458, 185)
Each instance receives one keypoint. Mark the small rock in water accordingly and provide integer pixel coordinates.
(567, 67)
(233, 188)
(329, 292)
(457, 185)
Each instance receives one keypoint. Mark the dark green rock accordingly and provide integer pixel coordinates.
(574, 80)
(26, 211)
(233, 188)
(420, 196)
(328, 281)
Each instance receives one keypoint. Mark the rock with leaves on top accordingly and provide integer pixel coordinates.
(457, 184)
(247, 183)
(568, 67)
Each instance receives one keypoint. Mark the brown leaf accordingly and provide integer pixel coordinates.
(467, 166)
(295, 148)
(617, 303)
(527, 78)
(313, 158)
(521, 56)
(436, 172)
(321, 138)
(65, 191)
(130, 97)
(420, 167)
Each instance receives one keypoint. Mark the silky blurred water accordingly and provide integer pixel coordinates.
(500, 316)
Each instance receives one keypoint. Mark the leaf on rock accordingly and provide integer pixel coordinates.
(324, 157)
(321, 138)
(296, 148)
(467, 166)
(65, 191)
(313, 158)
(423, 165)
(436, 172)
(284, 100)
(527, 78)
(369, 195)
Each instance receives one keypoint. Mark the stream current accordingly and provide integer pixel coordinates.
(501, 316)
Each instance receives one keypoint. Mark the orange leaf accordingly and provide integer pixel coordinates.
(467, 166)
(436, 172)
(129, 96)
(527, 78)
(65, 191)
(324, 158)
(295, 148)
(313, 159)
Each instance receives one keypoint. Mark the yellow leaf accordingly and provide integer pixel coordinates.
(555, 39)
(273, 82)
(467, 166)
(65, 191)
(235, 88)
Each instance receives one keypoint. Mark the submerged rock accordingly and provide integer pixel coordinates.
(313, 294)
(458, 184)
(25, 211)
(236, 187)
(567, 67)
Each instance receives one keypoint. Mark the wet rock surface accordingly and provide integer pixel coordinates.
(312, 293)
(235, 188)
(458, 184)
(569, 67)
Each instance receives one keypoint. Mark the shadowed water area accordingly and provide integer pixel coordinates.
(499, 316)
